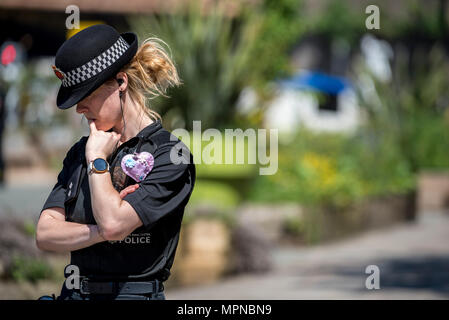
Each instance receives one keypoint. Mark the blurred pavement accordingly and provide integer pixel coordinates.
(413, 260)
(25, 192)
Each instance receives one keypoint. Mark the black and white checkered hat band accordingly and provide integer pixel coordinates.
(96, 65)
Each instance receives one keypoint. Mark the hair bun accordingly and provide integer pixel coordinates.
(154, 67)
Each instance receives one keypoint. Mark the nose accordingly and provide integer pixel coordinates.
(80, 108)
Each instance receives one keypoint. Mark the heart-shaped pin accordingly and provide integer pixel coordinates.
(137, 165)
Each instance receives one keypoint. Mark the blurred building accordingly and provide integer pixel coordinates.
(321, 97)
(314, 100)
(318, 96)
(40, 24)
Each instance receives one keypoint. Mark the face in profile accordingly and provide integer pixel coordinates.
(102, 106)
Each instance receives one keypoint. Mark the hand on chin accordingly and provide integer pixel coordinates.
(102, 127)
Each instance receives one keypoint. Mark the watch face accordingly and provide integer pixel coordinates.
(100, 164)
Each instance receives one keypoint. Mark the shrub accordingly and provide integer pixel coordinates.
(217, 194)
(29, 269)
(334, 170)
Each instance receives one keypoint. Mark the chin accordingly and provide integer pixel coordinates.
(103, 127)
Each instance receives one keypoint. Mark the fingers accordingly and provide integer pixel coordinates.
(125, 192)
(128, 190)
(93, 129)
(92, 126)
(116, 135)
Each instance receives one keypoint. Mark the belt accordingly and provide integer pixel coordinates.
(88, 286)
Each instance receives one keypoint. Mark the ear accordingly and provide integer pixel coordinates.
(123, 76)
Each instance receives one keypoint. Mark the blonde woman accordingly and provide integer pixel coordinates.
(119, 200)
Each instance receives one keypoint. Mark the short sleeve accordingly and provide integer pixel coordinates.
(166, 189)
(58, 193)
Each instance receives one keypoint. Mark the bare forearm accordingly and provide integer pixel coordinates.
(106, 201)
(63, 236)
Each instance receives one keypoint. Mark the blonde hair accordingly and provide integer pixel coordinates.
(150, 73)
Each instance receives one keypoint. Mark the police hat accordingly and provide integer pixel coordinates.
(89, 58)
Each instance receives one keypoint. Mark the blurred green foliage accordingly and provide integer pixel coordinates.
(406, 131)
(416, 20)
(29, 227)
(212, 60)
(410, 111)
(219, 196)
(406, 128)
(218, 55)
(210, 156)
(32, 86)
(334, 170)
(337, 20)
(219, 185)
(282, 26)
(29, 269)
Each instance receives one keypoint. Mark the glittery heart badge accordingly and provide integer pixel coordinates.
(137, 165)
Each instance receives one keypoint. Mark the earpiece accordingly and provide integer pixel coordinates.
(120, 82)
(120, 93)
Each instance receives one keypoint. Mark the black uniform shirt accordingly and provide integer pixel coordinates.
(148, 252)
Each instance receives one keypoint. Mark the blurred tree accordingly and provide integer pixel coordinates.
(410, 110)
(212, 63)
(218, 55)
(338, 19)
(420, 21)
(35, 87)
(282, 26)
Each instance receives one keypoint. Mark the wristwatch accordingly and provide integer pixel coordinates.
(98, 165)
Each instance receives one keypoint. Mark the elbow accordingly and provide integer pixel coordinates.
(41, 244)
(111, 232)
(39, 237)
(43, 237)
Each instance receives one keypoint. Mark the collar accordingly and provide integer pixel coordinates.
(142, 135)
(149, 130)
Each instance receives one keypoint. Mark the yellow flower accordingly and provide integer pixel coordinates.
(322, 169)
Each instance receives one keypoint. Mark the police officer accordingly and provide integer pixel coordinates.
(119, 200)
